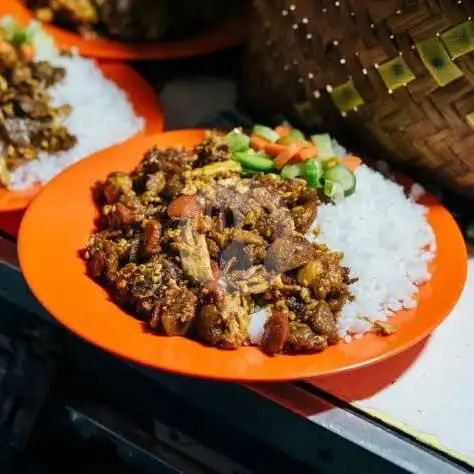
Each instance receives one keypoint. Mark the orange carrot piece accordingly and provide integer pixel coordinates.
(352, 162)
(274, 149)
(257, 142)
(306, 153)
(283, 130)
(27, 52)
(287, 154)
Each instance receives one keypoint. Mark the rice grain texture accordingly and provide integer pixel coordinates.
(387, 243)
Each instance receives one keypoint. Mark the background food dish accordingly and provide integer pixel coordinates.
(141, 96)
(95, 318)
(227, 34)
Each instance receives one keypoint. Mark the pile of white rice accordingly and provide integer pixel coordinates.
(101, 114)
(387, 244)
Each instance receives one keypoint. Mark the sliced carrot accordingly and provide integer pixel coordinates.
(306, 153)
(27, 52)
(352, 162)
(257, 142)
(274, 149)
(287, 154)
(283, 130)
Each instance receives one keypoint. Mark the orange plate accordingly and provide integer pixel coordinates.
(225, 35)
(51, 236)
(140, 94)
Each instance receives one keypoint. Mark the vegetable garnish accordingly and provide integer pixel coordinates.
(265, 132)
(254, 161)
(237, 141)
(286, 150)
(13, 38)
(343, 176)
(287, 153)
(324, 145)
(313, 172)
(292, 171)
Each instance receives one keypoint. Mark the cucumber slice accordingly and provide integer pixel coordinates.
(313, 172)
(333, 189)
(291, 171)
(343, 176)
(237, 141)
(266, 132)
(323, 144)
(254, 161)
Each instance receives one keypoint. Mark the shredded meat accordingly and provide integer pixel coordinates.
(302, 339)
(193, 249)
(226, 327)
(174, 312)
(289, 252)
(194, 254)
(276, 333)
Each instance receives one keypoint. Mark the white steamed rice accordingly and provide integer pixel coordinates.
(387, 244)
(101, 114)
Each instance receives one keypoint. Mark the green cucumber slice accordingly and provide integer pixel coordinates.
(313, 172)
(266, 132)
(333, 189)
(343, 176)
(237, 141)
(323, 144)
(254, 161)
(291, 171)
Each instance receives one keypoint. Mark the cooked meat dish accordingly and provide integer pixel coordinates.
(135, 20)
(193, 248)
(29, 123)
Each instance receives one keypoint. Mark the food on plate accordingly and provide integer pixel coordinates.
(132, 21)
(232, 245)
(29, 123)
(55, 108)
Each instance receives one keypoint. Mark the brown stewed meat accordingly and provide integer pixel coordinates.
(194, 249)
(30, 124)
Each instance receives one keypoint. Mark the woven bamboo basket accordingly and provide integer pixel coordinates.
(391, 78)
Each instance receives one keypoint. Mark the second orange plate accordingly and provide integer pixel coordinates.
(58, 223)
(145, 104)
(227, 34)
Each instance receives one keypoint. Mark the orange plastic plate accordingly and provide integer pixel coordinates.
(228, 34)
(58, 223)
(145, 104)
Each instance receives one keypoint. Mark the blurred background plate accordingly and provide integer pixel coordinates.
(228, 33)
(140, 94)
